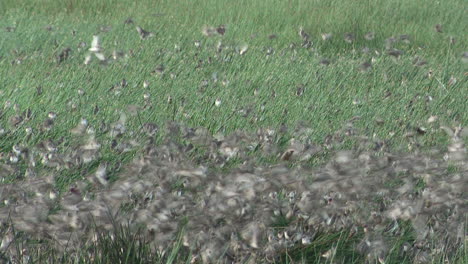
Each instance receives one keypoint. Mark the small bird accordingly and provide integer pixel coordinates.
(52, 115)
(221, 30)
(48, 124)
(287, 155)
(365, 66)
(243, 49)
(101, 173)
(405, 38)
(128, 21)
(95, 44)
(16, 120)
(349, 37)
(300, 90)
(117, 54)
(50, 145)
(369, 36)
(10, 29)
(159, 69)
(219, 46)
(87, 59)
(208, 31)
(64, 54)
(417, 61)
(100, 56)
(395, 53)
(303, 34)
(81, 128)
(143, 33)
(324, 62)
(326, 36)
(464, 57)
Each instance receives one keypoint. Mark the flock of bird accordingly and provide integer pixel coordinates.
(232, 216)
(233, 213)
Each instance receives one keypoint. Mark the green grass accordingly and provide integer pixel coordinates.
(393, 91)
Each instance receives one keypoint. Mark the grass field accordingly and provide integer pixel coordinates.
(227, 66)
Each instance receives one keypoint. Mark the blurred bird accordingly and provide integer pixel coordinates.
(243, 49)
(369, 36)
(349, 37)
(95, 44)
(464, 57)
(128, 21)
(221, 30)
(10, 29)
(326, 36)
(395, 53)
(417, 61)
(80, 128)
(117, 54)
(63, 55)
(100, 56)
(48, 124)
(16, 120)
(143, 33)
(365, 66)
(87, 59)
(159, 69)
(303, 34)
(325, 62)
(101, 173)
(405, 38)
(208, 31)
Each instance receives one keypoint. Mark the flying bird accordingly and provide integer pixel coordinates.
(143, 33)
(95, 44)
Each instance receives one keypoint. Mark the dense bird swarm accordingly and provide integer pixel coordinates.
(225, 205)
(229, 214)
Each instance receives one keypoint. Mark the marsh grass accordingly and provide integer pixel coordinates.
(392, 70)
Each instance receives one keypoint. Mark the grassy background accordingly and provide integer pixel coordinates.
(329, 90)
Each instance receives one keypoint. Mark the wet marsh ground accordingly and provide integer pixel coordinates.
(254, 113)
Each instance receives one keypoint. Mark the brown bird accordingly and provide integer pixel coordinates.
(326, 36)
(349, 37)
(128, 21)
(395, 52)
(143, 33)
(221, 30)
(16, 120)
(365, 66)
(303, 34)
(81, 128)
(369, 36)
(63, 55)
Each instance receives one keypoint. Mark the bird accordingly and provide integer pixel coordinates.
(349, 37)
(101, 174)
(303, 34)
(221, 30)
(369, 36)
(326, 36)
(143, 33)
(100, 56)
(365, 66)
(64, 54)
(81, 128)
(95, 44)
